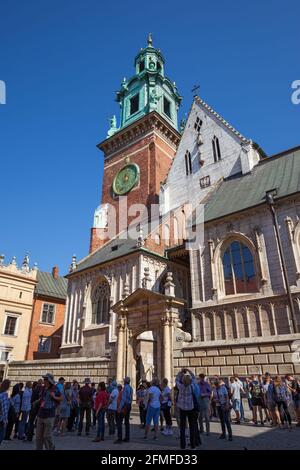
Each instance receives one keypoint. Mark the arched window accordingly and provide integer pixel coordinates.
(100, 303)
(188, 163)
(157, 239)
(167, 234)
(176, 229)
(239, 271)
(216, 149)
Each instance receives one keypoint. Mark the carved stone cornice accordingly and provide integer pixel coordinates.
(152, 121)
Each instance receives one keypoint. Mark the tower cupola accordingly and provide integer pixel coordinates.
(148, 90)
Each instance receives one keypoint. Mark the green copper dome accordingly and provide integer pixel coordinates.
(148, 90)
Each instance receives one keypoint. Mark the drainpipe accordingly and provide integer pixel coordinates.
(271, 204)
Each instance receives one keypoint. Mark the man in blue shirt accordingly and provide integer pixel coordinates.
(204, 403)
(125, 408)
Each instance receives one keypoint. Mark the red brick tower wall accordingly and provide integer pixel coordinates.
(153, 154)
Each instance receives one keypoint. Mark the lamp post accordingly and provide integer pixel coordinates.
(271, 204)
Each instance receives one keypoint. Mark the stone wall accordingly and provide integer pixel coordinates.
(96, 369)
(244, 357)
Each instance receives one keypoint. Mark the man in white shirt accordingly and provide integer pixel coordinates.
(235, 389)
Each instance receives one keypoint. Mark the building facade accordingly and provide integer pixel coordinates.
(16, 296)
(209, 279)
(48, 312)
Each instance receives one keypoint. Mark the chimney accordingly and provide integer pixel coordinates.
(55, 272)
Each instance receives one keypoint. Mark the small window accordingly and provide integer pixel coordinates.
(4, 356)
(198, 124)
(188, 163)
(216, 149)
(142, 65)
(48, 313)
(44, 344)
(10, 326)
(159, 66)
(134, 104)
(167, 107)
(20, 295)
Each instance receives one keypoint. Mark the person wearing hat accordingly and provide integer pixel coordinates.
(50, 399)
(85, 406)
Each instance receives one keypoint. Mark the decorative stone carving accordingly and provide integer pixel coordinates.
(169, 285)
(146, 281)
(73, 264)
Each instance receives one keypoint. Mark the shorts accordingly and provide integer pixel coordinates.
(152, 413)
(296, 404)
(257, 401)
(236, 404)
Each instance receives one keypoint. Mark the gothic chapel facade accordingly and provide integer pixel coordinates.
(152, 303)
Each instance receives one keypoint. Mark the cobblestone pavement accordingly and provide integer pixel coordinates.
(245, 436)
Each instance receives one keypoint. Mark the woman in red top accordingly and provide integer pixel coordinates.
(101, 402)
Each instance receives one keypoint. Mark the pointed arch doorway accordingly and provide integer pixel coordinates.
(146, 322)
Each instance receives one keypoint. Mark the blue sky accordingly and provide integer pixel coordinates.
(62, 62)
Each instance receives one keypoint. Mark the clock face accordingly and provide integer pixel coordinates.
(126, 179)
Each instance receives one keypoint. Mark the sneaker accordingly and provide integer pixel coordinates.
(222, 436)
(230, 438)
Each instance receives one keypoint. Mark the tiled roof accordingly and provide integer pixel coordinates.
(112, 250)
(50, 287)
(281, 172)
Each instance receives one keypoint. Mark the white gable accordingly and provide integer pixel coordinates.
(237, 155)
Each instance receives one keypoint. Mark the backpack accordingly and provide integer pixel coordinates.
(256, 390)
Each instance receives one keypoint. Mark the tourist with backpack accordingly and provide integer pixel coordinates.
(187, 404)
(255, 389)
(50, 399)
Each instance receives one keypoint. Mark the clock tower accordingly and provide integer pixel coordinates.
(137, 153)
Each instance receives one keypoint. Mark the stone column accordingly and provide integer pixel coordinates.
(166, 346)
(263, 261)
(120, 348)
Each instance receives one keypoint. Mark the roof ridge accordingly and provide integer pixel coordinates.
(221, 119)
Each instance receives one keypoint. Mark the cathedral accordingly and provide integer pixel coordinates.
(194, 256)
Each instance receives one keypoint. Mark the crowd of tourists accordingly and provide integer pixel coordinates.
(47, 408)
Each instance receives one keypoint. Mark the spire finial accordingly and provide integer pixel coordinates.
(149, 41)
